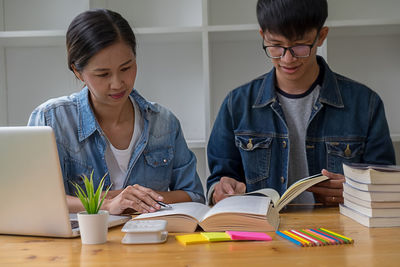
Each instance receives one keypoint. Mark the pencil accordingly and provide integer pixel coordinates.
(309, 238)
(330, 240)
(338, 240)
(314, 236)
(305, 242)
(289, 238)
(338, 235)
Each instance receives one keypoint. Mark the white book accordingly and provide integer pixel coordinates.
(369, 221)
(372, 204)
(372, 212)
(373, 187)
(372, 174)
(371, 195)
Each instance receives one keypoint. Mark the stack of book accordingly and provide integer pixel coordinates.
(372, 194)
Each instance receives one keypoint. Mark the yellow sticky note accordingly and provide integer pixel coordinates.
(191, 239)
(216, 236)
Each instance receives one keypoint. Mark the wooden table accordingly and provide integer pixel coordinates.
(373, 246)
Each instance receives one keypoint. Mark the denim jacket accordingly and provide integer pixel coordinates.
(161, 160)
(250, 140)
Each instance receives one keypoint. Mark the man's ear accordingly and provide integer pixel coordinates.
(76, 72)
(323, 33)
(261, 33)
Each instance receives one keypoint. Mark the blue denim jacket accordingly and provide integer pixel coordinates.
(161, 160)
(250, 140)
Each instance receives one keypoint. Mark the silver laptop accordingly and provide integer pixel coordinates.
(32, 195)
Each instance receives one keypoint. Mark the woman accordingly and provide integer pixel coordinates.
(110, 129)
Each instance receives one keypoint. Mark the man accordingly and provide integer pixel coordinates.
(297, 120)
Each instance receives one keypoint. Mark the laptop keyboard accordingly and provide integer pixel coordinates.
(74, 224)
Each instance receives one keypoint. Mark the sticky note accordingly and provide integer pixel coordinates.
(216, 236)
(191, 239)
(235, 235)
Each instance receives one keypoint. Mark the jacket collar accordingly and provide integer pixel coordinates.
(87, 121)
(329, 92)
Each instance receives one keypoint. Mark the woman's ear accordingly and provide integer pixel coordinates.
(76, 72)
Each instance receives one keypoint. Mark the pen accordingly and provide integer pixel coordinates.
(162, 204)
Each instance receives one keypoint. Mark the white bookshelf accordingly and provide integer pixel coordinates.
(191, 53)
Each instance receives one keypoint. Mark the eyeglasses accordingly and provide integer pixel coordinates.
(300, 51)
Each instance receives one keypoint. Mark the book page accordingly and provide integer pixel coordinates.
(193, 209)
(241, 204)
(297, 188)
(269, 192)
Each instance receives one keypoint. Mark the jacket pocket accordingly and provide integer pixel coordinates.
(158, 168)
(159, 158)
(343, 152)
(256, 156)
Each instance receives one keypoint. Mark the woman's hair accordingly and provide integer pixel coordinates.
(94, 30)
(291, 18)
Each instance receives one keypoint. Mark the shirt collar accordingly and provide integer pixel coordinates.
(87, 121)
(329, 92)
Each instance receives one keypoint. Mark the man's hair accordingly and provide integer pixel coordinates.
(291, 18)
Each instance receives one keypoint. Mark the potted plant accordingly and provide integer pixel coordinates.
(93, 224)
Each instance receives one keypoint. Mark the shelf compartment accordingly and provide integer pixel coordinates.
(22, 15)
(156, 13)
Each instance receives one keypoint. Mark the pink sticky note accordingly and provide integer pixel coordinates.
(235, 235)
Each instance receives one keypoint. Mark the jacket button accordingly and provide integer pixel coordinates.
(282, 179)
(284, 144)
(165, 161)
(249, 144)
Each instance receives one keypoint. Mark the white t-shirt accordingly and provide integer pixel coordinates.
(118, 159)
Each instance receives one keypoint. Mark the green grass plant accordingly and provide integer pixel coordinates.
(90, 199)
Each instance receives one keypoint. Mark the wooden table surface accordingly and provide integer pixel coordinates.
(372, 247)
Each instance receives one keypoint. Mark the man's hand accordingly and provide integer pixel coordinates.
(227, 186)
(329, 192)
(139, 198)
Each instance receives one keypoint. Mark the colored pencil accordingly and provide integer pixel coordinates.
(314, 241)
(337, 240)
(302, 240)
(324, 242)
(289, 238)
(329, 240)
(342, 236)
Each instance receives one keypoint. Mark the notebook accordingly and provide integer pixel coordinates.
(32, 195)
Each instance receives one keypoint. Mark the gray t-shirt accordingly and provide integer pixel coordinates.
(297, 110)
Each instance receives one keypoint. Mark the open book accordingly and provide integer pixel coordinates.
(236, 213)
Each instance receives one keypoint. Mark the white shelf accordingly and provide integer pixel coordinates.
(32, 38)
(233, 28)
(196, 144)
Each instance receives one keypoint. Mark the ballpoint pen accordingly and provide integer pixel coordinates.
(162, 204)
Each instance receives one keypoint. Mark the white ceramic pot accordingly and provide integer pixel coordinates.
(93, 227)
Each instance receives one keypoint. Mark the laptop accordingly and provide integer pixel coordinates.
(32, 195)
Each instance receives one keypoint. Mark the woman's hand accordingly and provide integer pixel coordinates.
(139, 198)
